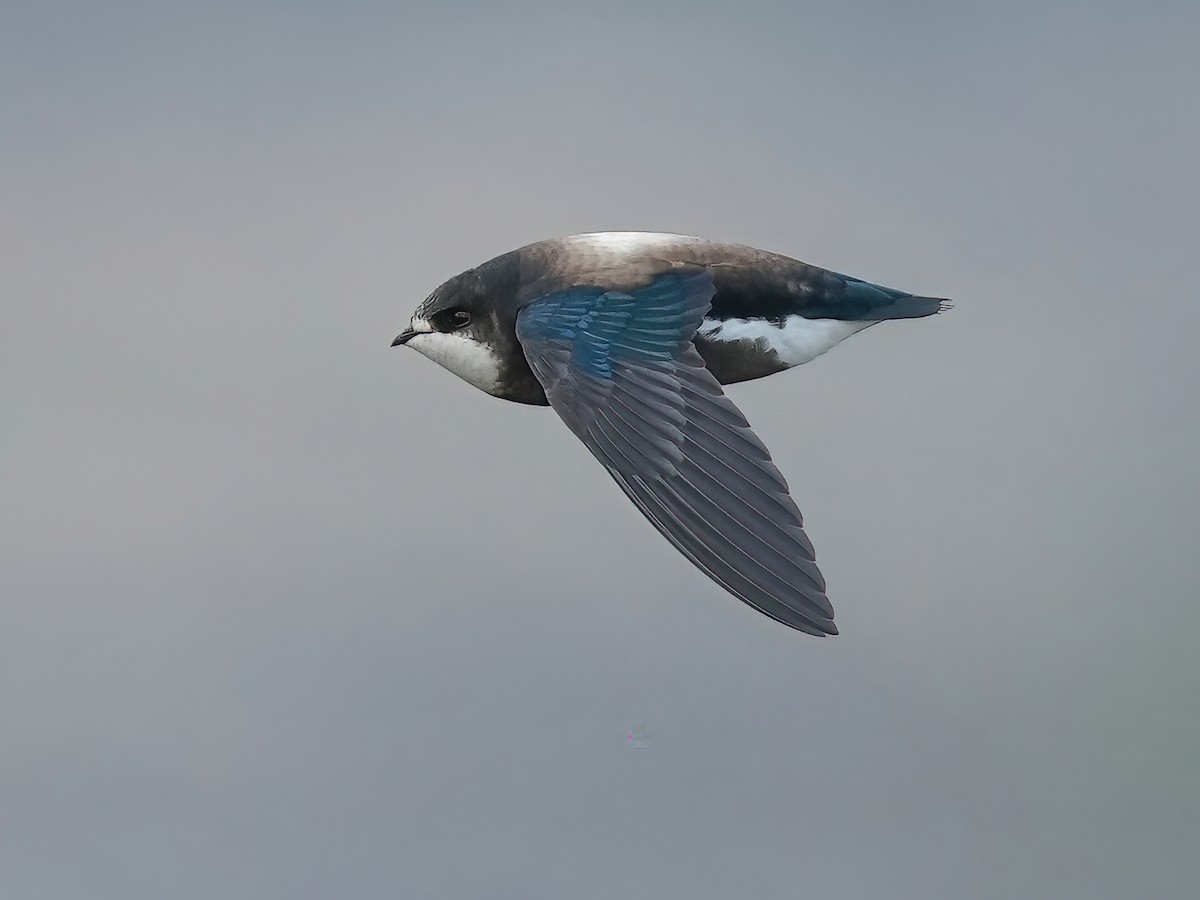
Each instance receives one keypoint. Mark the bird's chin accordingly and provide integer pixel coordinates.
(472, 361)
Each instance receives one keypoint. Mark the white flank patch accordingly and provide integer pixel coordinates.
(473, 362)
(797, 342)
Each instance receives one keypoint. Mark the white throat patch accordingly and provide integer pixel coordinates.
(473, 362)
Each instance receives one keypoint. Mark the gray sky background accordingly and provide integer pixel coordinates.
(287, 613)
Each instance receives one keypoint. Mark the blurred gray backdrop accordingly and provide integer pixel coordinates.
(287, 613)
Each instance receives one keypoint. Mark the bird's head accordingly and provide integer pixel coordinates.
(468, 326)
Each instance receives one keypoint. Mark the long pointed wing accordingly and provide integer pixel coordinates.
(620, 369)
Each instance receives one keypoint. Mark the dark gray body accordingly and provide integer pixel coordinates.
(750, 285)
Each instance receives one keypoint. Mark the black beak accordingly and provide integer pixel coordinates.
(404, 337)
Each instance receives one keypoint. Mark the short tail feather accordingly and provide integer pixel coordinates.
(912, 307)
(862, 301)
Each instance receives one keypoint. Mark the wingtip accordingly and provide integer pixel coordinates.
(807, 624)
(821, 628)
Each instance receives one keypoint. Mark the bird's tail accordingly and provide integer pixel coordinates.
(910, 307)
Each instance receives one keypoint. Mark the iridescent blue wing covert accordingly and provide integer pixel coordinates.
(620, 369)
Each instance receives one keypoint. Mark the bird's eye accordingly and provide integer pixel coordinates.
(460, 318)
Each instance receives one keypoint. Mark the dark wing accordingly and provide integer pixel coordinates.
(621, 370)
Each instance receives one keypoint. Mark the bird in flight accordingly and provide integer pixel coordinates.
(629, 336)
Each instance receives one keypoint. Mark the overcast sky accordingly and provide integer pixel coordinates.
(287, 613)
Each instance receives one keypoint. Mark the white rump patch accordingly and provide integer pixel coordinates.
(798, 341)
(473, 362)
(626, 240)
